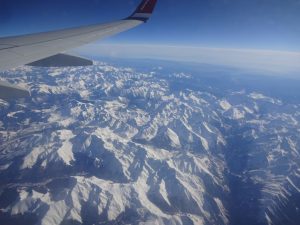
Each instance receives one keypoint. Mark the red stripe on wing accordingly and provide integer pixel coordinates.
(147, 6)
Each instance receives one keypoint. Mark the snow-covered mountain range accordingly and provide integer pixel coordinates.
(113, 145)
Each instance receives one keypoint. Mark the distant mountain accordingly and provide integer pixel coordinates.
(108, 144)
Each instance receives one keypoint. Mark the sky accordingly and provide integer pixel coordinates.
(263, 25)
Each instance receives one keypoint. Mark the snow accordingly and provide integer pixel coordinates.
(141, 188)
(56, 117)
(203, 165)
(13, 114)
(114, 106)
(163, 191)
(207, 128)
(141, 117)
(223, 210)
(259, 96)
(248, 110)
(204, 143)
(31, 159)
(237, 114)
(55, 213)
(3, 103)
(115, 132)
(48, 89)
(157, 154)
(65, 152)
(23, 195)
(221, 140)
(75, 214)
(175, 142)
(4, 167)
(66, 122)
(150, 132)
(293, 185)
(85, 94)
(225, 105)
(117, 206)
(255, 95)
(268, 219)
(293, 146)
(56, 72)
(22, 207)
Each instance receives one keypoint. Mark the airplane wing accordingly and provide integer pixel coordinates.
(27, 49)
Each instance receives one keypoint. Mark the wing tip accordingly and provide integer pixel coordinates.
(143, 11)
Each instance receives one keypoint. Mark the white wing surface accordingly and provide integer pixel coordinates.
(21, 50)
(16, 51)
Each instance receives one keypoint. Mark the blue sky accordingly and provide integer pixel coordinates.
(258, 24)
(258, 35)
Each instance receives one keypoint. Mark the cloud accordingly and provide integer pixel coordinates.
(274, 62)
